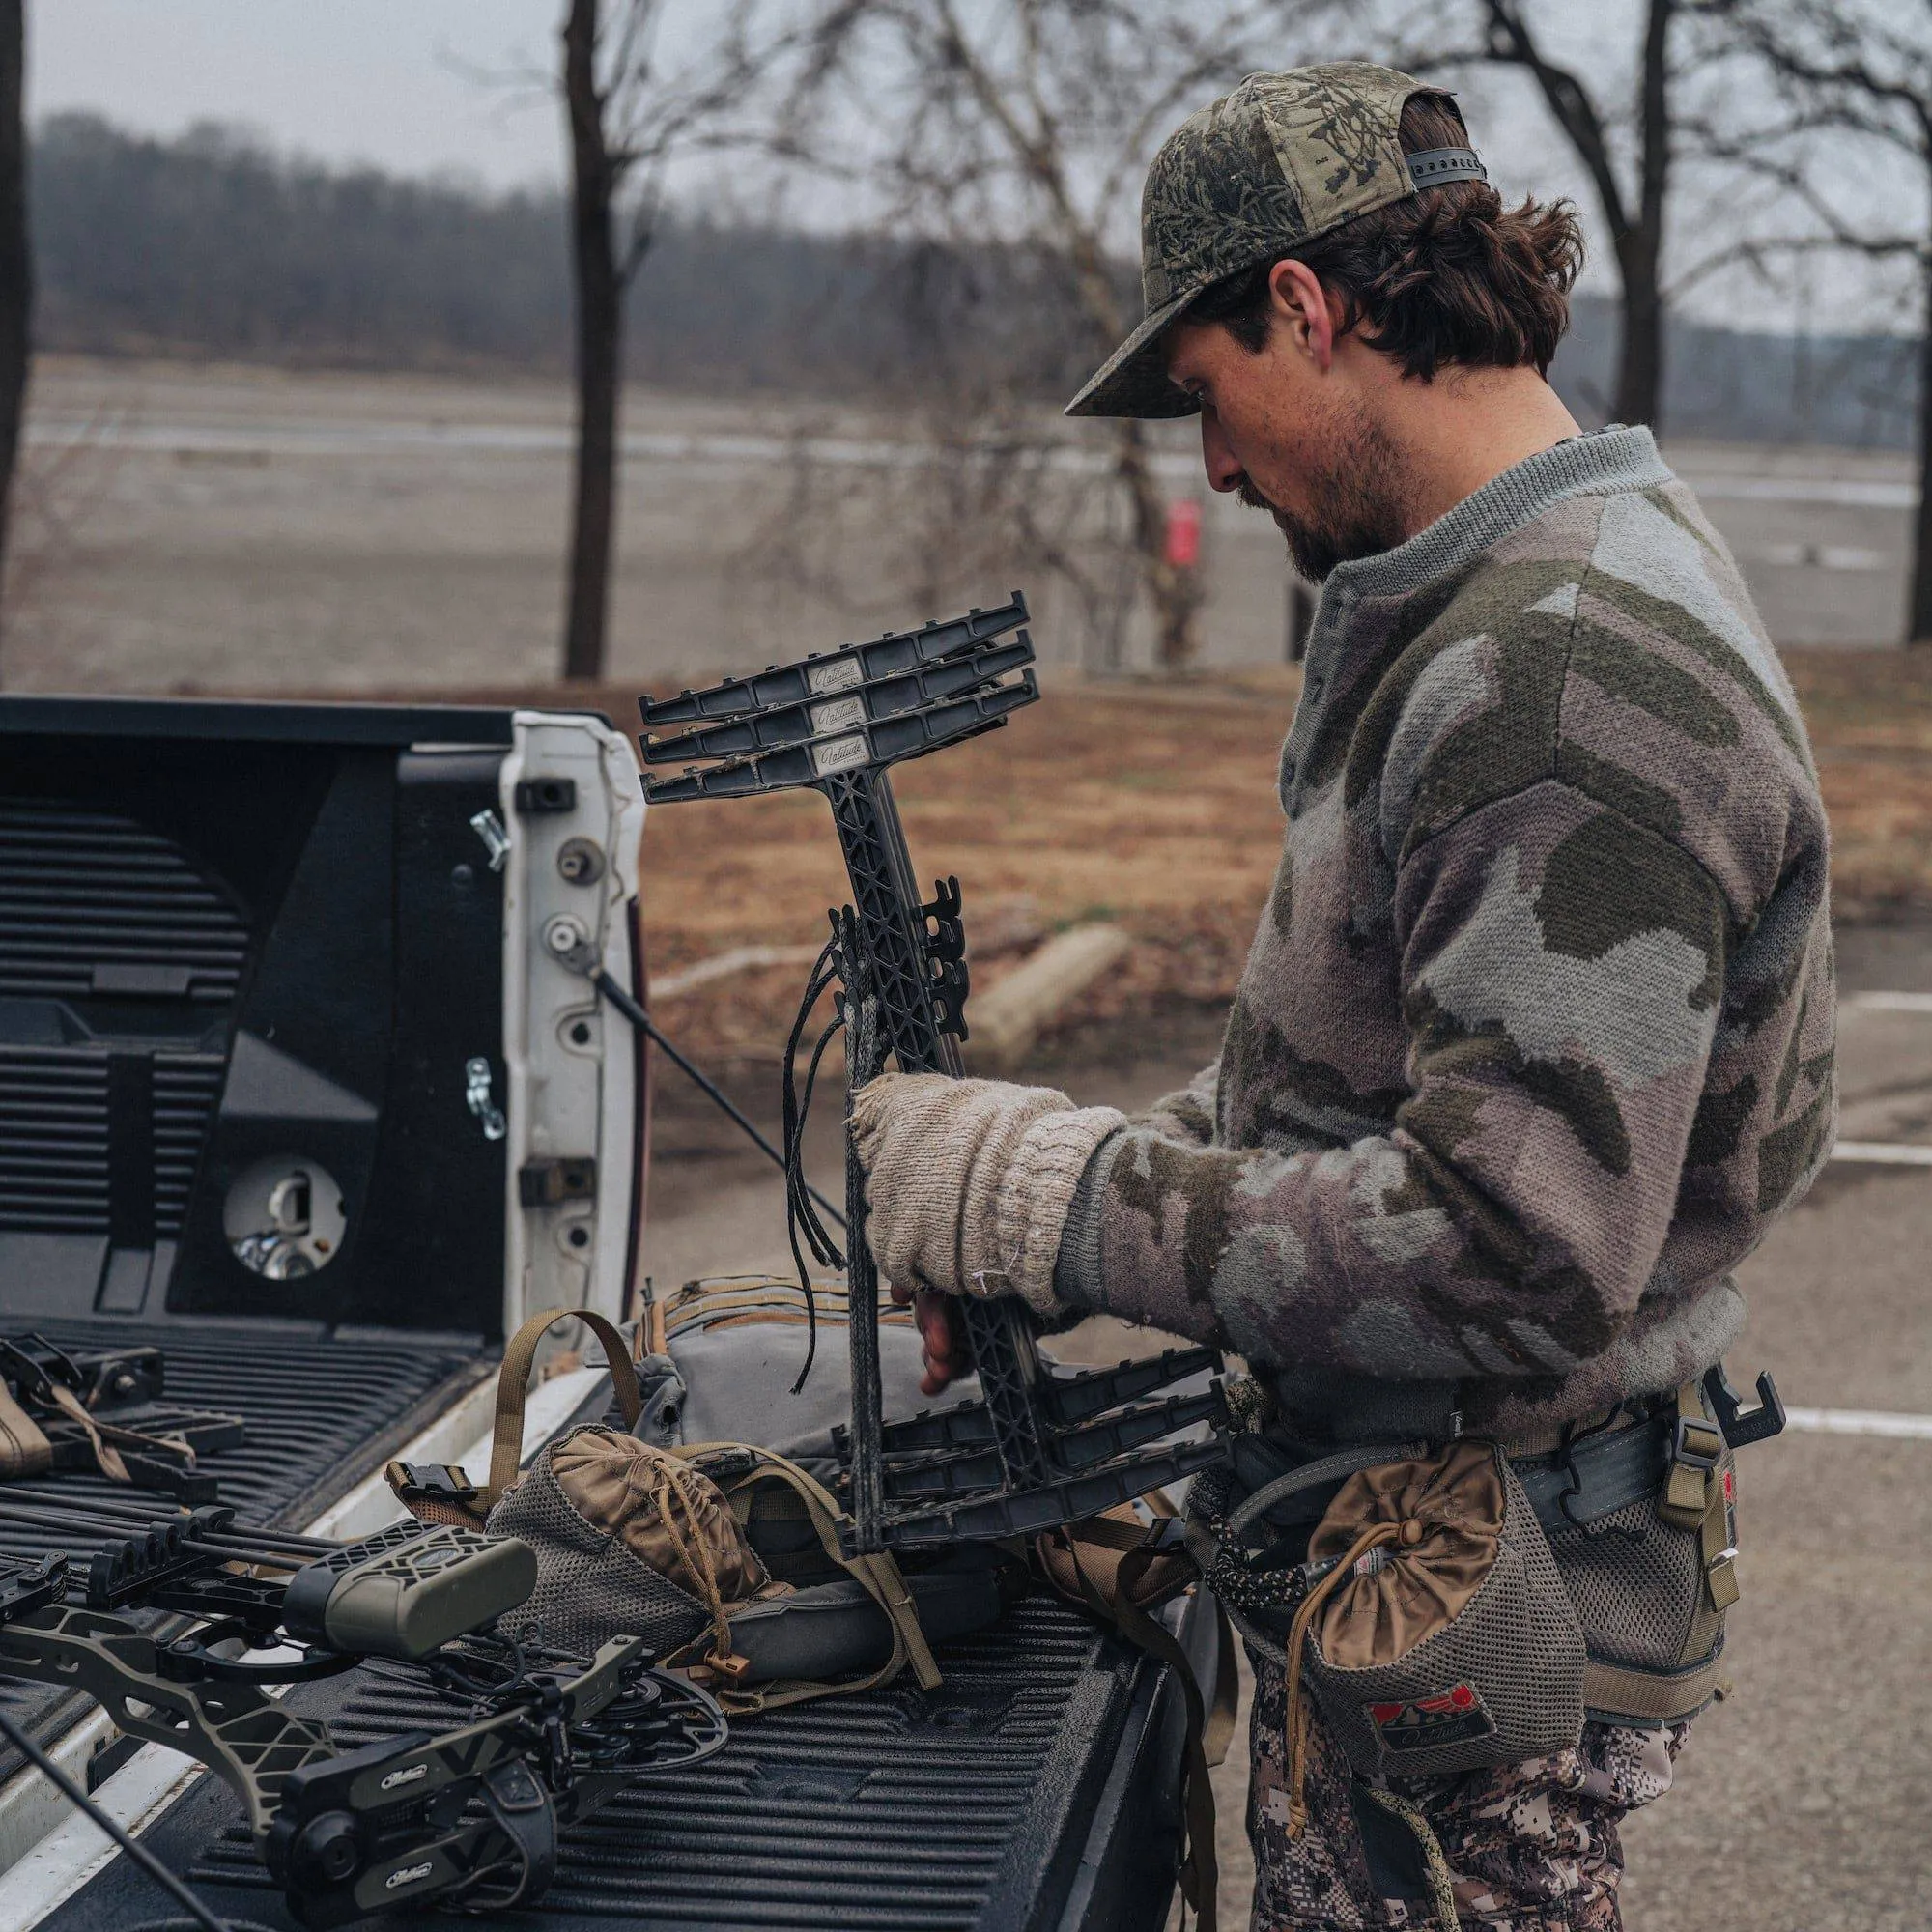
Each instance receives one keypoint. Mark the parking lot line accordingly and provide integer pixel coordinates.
(1859, 1422)
(1888, 1003)
(1884, 1154)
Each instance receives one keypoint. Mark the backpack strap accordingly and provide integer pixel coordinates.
(878, 1574)
(24, 1448)
(506, 1444)
(1110, 1560)
(441, 1494)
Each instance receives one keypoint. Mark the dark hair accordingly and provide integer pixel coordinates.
(1446, 275)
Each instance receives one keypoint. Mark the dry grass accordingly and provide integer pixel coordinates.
(1155, 805)
(1870, 714)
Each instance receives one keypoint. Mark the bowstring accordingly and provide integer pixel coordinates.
(801, 1215)
(104, 1820)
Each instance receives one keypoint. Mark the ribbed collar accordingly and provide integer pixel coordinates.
(1592, 465)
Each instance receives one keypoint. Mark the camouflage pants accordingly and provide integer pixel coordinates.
(1529, 1847)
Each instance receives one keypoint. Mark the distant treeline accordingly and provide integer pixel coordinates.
(213, 246)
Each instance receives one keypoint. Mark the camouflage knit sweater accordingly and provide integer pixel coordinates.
(1535, 1041)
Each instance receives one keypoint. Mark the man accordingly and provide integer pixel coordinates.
(1535, 1041)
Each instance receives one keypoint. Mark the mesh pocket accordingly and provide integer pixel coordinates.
(590, 1586)
(1637, 1583)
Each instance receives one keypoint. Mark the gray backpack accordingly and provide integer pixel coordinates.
(726, 1554)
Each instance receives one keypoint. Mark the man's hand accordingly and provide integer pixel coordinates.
(967, 1187)
(942, 1337)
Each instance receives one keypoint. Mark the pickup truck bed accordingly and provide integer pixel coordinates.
(1035, 1788)
(1032, 1789)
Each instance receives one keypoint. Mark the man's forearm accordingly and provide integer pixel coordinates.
(1187, 1113)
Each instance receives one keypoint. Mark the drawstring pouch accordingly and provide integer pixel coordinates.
(630, 1540)
(1431, 1628)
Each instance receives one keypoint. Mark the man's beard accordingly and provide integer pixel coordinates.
(1359, 497)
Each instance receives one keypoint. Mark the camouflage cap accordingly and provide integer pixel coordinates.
(1282, 158)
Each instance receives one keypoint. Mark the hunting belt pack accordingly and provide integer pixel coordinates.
(728, 1557)
(1454, 1606)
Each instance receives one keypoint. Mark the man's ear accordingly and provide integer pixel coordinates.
(1301, 306)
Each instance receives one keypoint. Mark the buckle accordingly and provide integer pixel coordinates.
(35, 1377)
(1743, 1427)
(1707, 1436)
(433, 1482)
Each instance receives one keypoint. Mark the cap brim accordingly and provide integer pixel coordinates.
(1133, 381)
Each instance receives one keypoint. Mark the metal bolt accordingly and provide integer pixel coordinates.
(581, 861)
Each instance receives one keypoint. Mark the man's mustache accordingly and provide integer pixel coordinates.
(1254, 500)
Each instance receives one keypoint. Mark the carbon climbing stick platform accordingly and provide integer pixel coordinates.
(1062, 1446)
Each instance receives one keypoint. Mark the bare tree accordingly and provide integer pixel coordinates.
(1630, 130)
(964, 481)
(1027, 125)
(1853, 84)
(1636, 221)
(15, 263)
(627, 118)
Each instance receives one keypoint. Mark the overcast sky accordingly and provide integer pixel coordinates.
(391, 81)
(428, 86)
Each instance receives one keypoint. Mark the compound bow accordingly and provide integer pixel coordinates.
(470, 1815)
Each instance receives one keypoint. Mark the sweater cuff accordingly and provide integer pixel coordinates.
(1078, 1282)
(1037, 1190)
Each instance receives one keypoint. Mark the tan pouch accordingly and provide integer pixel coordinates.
(630, 1541)
(635, 1539)
(1441, 1638)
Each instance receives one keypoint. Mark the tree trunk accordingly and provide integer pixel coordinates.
(1640, 353)
(1919, 617)
(1639, 396)
(15, 261)
(1174, 592)
(600, 326)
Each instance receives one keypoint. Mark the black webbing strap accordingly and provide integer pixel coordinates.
(1434, 166)
(1596, 1476)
